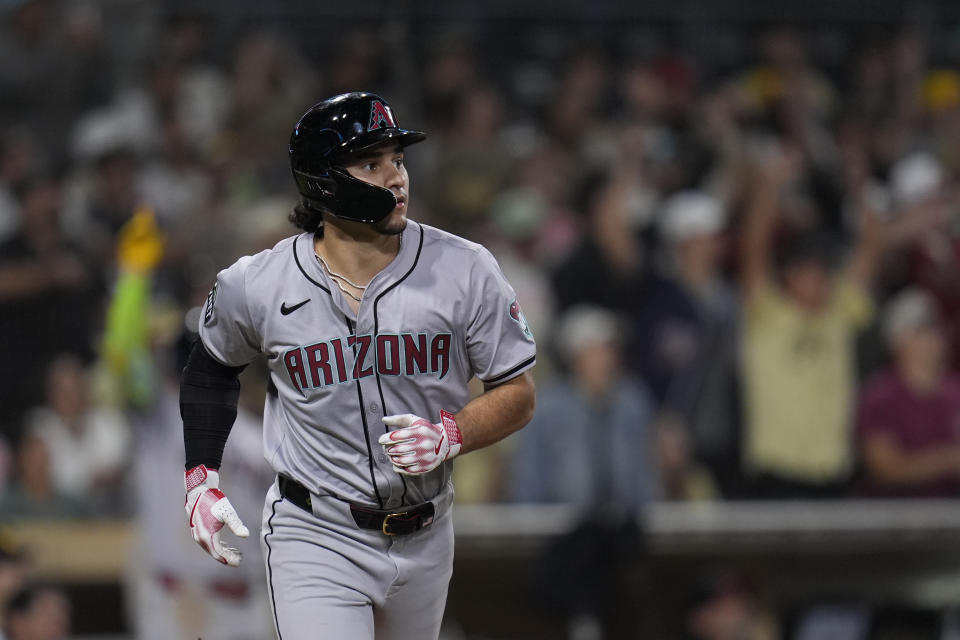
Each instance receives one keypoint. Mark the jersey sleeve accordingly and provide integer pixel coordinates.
(226, 328)
(500, 344)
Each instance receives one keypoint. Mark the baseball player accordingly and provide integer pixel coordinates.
(372, 326)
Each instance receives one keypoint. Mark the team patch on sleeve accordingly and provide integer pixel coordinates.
(516, 314)
(208, 305)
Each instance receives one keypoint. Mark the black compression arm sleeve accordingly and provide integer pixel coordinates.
(208, 405)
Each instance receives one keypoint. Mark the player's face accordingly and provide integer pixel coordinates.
(383, 166)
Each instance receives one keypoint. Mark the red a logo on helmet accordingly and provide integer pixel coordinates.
(379, 116)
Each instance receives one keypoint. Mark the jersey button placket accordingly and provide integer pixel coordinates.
(374, 411)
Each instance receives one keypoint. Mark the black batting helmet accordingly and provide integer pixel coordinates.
(331, 131)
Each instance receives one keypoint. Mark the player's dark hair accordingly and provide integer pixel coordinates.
(307, 218)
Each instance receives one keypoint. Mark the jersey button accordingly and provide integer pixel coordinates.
(374, 407)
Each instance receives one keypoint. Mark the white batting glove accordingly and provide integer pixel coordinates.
(419, 446)
(207, 511)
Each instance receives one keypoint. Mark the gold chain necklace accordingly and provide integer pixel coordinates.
(336, 277)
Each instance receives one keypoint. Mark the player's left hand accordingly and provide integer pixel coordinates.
(418, 446)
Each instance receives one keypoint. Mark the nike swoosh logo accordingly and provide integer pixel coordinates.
(285, 310)
(439, 444)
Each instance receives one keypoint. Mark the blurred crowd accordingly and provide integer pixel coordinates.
(741, 269)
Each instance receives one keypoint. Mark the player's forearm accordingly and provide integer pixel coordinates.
(497, 413)
(208, 405)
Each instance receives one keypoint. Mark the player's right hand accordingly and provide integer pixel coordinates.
(208, 510)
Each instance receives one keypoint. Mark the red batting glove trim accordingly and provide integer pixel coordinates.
(450, 425)
(195, 477)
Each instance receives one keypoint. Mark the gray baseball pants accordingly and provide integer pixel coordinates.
(330, 580)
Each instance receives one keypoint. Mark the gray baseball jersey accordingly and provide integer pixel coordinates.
(438, 314)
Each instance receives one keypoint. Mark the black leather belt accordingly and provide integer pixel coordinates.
(399, 522)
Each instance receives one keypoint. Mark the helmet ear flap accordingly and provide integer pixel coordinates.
(316, 186)
(360, 201)
(344, 196)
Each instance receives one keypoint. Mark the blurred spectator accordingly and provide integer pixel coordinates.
(19, 159)
(29, 58)
(794, 97)
(132, 120)
(926, 213)
(38, 613)
(356, 61)
(272, 86)
(89, 445)
(590, 444)
(13, 572)
(450, 71)
(203, 92)
(39, 41)
(837, 622)
(686, 327)
(47, 295)
(176, 184)
(516, 219)
(606, 266)
(94, 218)
(582, 92)
(539, 204)
(515, 237)
(472, 164)
(682, 477)
(590, 441)
(33, 493)
(724, 607)
(909, 415)
(799, 332)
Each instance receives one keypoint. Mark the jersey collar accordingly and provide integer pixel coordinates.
(399, 268)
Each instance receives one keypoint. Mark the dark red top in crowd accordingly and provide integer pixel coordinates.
(915, 423)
